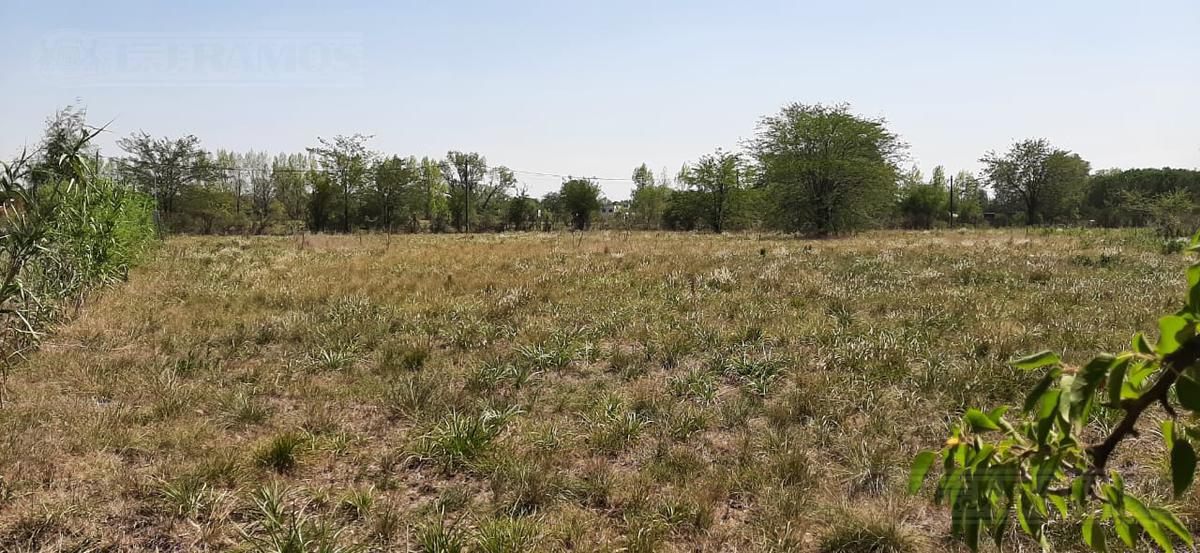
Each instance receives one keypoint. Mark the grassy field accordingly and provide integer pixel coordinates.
(652, 392)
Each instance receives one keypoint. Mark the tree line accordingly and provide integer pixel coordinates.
(811, 169)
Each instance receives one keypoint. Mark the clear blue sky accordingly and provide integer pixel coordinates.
(596, 88)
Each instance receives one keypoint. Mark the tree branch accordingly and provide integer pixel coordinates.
(1173, 365)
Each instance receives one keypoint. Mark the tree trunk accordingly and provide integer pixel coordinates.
(346, 206)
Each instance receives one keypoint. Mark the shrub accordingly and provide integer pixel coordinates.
(277, 526)
(459, 439)
(436, 537)
(413, 396)
(399, 357)
(855, 535)
(191, 497)
(280, 453)
(241, 409)
(358, 502)
(506, 535)
(64, 229)
(522, 485)
(615, 426)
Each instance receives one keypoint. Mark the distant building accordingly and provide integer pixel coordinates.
(609, 208)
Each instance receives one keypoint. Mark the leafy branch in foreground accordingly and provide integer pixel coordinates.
(993, 469)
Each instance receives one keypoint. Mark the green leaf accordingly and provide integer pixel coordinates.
(920, 468)
(1169, 329)
(979, 421)
(1079, 489)
(1172, 523)
(1049, 404)
(982, 457)
(1071, 394)
(1188, 391)
(1135, 376)
(1092, 373)
(1183, 465)
(970, 527)
(1193, 280)
(1059, 503)
(1121, 525)
(1000, 525)
(1045, 472)
(1093, 534)
(1116, 379)
(1149, 524)
(1142, 345)
(1036, 360)
(1022, 510)
(1047, 415)
(1039, 389)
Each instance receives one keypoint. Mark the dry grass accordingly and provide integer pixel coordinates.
(500, 393)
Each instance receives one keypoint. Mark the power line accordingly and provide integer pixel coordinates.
(226, 169)
(569, 176)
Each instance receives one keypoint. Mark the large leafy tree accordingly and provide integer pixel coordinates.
(968, 198)
(649, 203)
(1042, 182)
(828, 170)
(922, 203)
(206, 208)
(348, 162)
(430, 194)
(581, 200)
(521, 210)
(492, 195)
(289, 181)
(164, 167)
(716, 178)
(684, 210)
(464, 174)
(322, 199)
(649, 198)
(394, 178)
(642, 177)
(553, 209)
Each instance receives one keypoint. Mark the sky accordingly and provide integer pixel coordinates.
(597, 88)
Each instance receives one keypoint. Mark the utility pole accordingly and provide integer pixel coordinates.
(158, 225)
(237, 182)
(952, 201)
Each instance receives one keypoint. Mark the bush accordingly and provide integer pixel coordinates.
(859, 536)
(280, 453)
(64, 229)
(458, 440)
